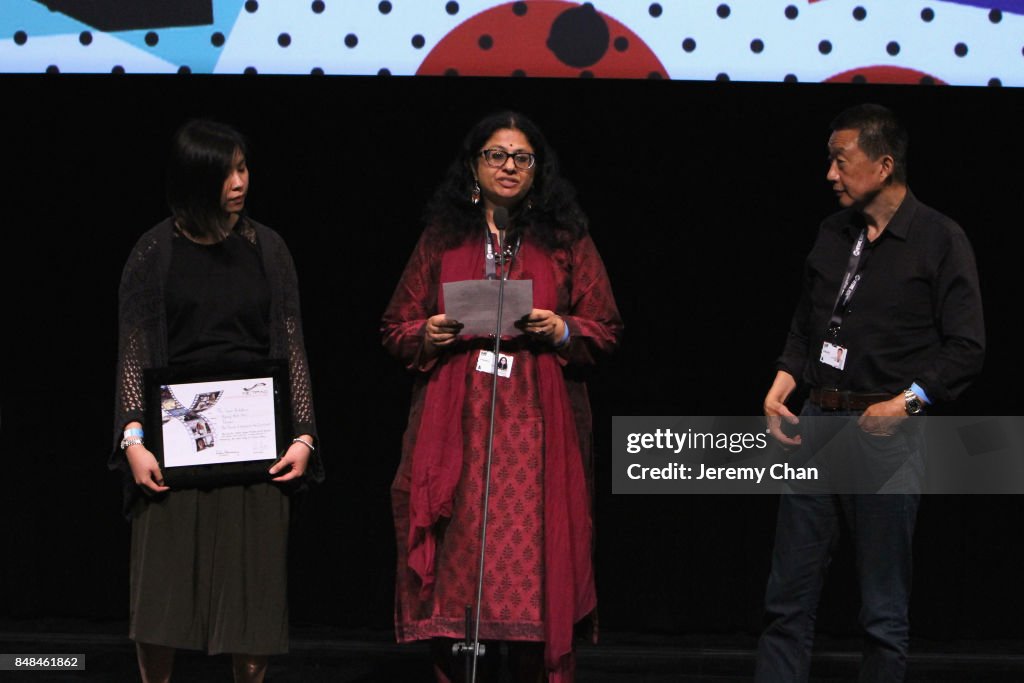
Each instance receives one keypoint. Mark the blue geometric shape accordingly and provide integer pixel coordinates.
(35, 20)
(1015, 6)
(189, 46)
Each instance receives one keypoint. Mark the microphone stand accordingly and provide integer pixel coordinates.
(473, 649)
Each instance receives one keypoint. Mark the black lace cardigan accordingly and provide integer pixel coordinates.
(142, 334)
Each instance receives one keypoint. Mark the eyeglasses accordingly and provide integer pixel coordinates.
(496, 158)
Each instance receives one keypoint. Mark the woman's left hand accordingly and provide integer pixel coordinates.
(544, 325)
(297, 456)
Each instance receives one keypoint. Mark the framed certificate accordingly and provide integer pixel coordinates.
(217, 426)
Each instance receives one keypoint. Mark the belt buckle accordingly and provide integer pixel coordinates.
(835, 399)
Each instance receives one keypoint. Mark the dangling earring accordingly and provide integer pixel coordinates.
(474, 196)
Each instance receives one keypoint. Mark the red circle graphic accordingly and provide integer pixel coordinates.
(884, 74)
(548, 38)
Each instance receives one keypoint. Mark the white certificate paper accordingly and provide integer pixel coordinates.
(217, 422)
(474, 303)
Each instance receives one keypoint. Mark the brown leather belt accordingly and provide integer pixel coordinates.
(834, 399)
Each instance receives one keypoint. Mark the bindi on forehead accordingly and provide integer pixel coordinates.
(512, 140)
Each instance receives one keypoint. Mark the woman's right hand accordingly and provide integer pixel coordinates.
(440, 332)
(145, 468)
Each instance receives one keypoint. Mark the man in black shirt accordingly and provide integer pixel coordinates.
(889, 321)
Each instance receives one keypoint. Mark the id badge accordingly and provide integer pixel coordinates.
(833, 355)
(485, 363)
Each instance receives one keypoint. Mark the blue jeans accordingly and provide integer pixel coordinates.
(807, 531)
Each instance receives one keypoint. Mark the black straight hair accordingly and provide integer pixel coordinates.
(201, 158)
(879, 132)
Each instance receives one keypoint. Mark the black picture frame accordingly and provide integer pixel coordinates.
(222, 473)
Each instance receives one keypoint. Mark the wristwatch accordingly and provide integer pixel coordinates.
(914, 405)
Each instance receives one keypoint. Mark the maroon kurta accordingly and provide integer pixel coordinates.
(514, 572)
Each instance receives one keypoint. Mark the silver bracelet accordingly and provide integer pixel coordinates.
(305, 443)
(126, 443)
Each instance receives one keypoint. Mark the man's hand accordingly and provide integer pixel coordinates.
(885, 417)
(775, 409)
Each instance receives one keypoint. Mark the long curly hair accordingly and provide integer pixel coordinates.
(548, 213)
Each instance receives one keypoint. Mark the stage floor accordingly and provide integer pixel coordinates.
(325, 655)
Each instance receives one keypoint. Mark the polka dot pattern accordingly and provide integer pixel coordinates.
(970, 42)
(573, 41)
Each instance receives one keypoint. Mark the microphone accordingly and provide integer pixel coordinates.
(501, 222)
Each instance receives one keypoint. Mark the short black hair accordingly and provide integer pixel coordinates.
(879, 132)
(201, 157)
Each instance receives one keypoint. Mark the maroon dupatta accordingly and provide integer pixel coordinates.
(437, 458)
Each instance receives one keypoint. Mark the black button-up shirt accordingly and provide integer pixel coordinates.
(915, 315)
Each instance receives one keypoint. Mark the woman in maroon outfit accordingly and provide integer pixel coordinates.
(538, 583)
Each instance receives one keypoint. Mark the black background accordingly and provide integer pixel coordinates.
(703, 199)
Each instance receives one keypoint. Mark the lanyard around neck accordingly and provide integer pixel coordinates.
(492, 257)
(851, 280)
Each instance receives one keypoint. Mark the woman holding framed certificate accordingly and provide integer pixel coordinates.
(212, 380)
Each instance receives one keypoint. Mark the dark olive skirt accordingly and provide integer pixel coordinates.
(209, 570)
